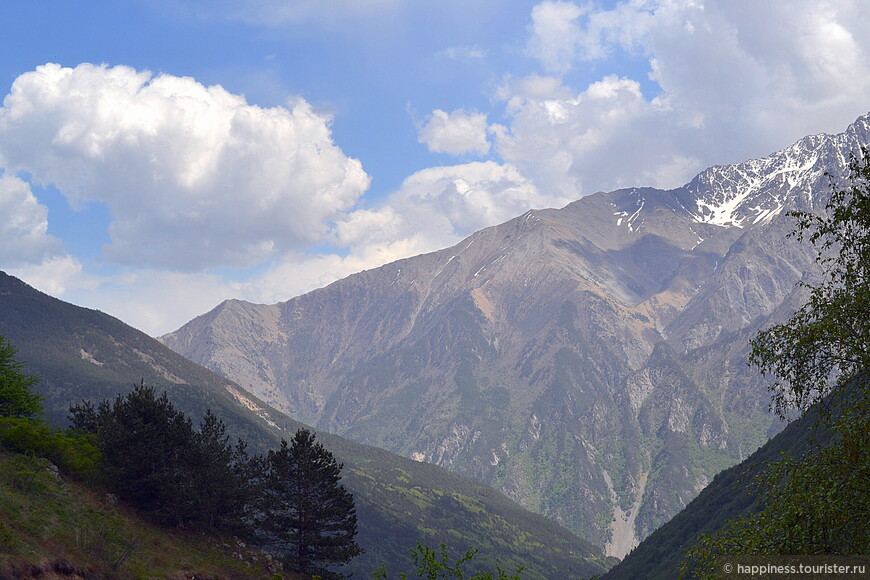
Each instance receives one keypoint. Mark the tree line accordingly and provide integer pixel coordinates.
(289, 502)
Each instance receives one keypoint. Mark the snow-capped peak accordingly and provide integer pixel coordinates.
(755, 191)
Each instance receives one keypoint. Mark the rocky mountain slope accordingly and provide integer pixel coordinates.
(84, 354)
(732, 494)
(588, 361)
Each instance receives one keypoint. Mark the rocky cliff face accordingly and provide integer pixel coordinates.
(589, 361)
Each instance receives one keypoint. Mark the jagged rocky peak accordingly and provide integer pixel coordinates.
(755, 191)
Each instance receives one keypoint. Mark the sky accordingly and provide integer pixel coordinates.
(160, 156)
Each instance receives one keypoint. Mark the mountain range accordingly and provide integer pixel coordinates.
(82, 354)
(589, 361)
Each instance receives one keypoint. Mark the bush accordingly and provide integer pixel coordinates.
(74, 453)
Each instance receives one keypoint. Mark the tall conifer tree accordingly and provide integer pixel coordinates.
(306, 515)
(16, 397)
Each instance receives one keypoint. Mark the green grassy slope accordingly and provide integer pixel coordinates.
(53, 527)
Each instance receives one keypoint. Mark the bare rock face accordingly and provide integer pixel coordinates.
(588, 361)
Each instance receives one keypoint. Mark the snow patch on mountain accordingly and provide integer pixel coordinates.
(754, 192)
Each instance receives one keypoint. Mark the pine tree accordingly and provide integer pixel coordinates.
(16, 398)
(154, 459)
(147, 446)
(306, 516)
(221, 491)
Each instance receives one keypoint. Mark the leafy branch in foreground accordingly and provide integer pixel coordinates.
(23, 428)
(815, 504)
(827, 342)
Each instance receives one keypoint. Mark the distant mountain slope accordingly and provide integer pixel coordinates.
(81, 353)
(589, 361)
(729, 495)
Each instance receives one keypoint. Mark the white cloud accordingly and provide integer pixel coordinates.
(193, 176)
(24, 237)
(751, 72)
(27, 250)
(468, 197)
(139, 297)
(602, 138)
(736, 80)
(754, 73)
(55, 275)
(555, 34)
(563, 33)
(455, 133)
(440, 206)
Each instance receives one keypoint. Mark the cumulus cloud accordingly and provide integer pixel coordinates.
(27, 250)
(439, 206)
(555, 34)
(24, 237)
(735, 80)
(194, 177)
(753, 73)
(602, 138)
(455, 133)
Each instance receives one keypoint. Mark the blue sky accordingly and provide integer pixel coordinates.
(159, 156)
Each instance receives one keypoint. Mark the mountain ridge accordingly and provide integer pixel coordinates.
(577, 358)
